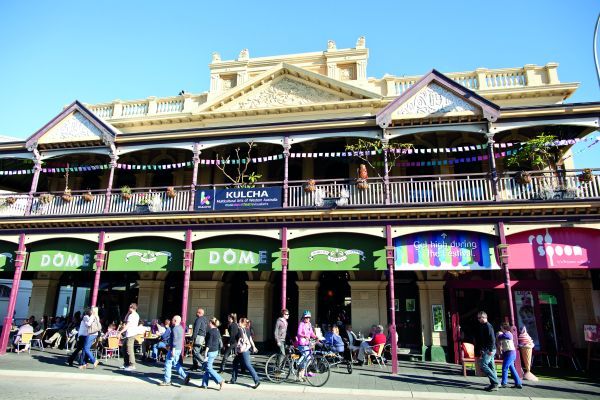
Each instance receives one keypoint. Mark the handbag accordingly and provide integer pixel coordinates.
(243, 344)
(95, 327)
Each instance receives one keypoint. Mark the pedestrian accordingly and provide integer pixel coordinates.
(198, 339)
(81, 335)
(232, 329)
(281, 333)
(509, 355)
(213, 345)
(175, 347)
(304, 335)
(485, 346)
(244, 344)
(92, 322)
(130, 328)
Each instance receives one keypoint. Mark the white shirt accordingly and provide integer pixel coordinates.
(132, 324)
(83, 328)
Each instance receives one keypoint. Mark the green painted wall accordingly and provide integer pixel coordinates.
(145, 254)
(237, 253)
(61, 255)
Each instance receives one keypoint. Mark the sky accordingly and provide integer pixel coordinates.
(53, 52)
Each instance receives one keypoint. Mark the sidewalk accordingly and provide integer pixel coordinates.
(415, 380)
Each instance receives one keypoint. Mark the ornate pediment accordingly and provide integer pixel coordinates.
(285, 91)
(434, 100)
(73, 128)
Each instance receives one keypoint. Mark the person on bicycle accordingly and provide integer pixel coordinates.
(281, 333)
(305, 333)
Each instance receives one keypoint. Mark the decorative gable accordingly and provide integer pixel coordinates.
(73, 128)
(434, 100)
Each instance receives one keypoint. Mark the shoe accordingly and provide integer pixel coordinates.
(203, 387)
(186, 381)
(128, 369)
(82, 367)
(491, 388)
(256, 385)
(518, 387)
(231, 382)
(124, 367)
(163, 383)
(221, 385)
(96, 364)
(360, 363)
(309, 374)
(504, 385)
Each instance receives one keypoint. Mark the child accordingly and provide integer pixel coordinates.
(509, 355)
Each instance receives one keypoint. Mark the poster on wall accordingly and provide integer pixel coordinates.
(452, 250)
(526, 315)
(410, 305)
(590, 333)
(437, 314)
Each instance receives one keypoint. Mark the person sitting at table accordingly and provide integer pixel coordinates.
(372, 346)
(25, 328)
(162, 341)
(333, 340)
(59, 332)
(353, 342)
(111, 331)
(156, 328)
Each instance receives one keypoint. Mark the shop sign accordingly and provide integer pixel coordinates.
(204, 199)
(337, 252)
(237, 253)
(554, 248)
(7, 256)
(63, 255)
(248, 198)
(147, 254)
(452, 250)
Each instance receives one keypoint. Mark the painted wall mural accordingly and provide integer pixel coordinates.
(451, 250)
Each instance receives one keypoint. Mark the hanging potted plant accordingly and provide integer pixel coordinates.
(46, 198)
(11, 200)
(67, 196)
(171, 193)
(541, 153)
(523, 177)
(586, 175)
(125, 192)
(88, 196)
(310, 186)
(361, 181)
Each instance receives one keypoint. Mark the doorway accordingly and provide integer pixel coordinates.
(334, 299)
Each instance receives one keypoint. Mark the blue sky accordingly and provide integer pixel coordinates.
(52, 53)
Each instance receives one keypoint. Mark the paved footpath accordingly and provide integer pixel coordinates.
(45, 375)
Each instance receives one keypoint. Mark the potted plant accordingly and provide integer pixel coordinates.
(88, 196)
(171, 193)
(523, 177)
(67, 196)
(46, 198)
(310, 186)
(361, 181)
(586, 175)
(125, 192)
(11, 200)
(541, 153)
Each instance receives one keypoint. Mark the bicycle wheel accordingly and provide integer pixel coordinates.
(277, 373)
(317, 371)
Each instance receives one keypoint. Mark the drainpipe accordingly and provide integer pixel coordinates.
(286, 157)
(503, 256)
(390, 255)
(187, 264)
(12, 301)
(492, 162)
(100, 254)
(284, 266)
(196, 161)
(37, 169)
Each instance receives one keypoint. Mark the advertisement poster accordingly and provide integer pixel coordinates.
(526, 315)
(248, 198)
(590, 333)
(437, 313)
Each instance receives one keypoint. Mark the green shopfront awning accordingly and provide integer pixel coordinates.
(7, 256)
(61, 255)
(237, 253)
(337, 252)
(145, 254)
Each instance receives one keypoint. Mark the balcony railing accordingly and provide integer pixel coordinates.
(412, 190)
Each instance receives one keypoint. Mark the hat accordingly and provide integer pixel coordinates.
(306, 313)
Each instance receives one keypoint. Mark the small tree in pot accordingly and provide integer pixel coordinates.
(539, 153)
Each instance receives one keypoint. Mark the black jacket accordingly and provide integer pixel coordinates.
(485, 339)
(233, 329)
(213, 338)
(200, 327)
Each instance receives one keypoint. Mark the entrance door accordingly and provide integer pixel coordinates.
(334, 299)
(234, 295)
(408, 315)
(172, 297)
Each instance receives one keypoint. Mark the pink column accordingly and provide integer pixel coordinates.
(111, 177)
(12, 301)
(389, 250)
(196, 160)
(37, 169)
(187, 264)
(284, 265)
(386, 175)
(286, 159)
(99, 266)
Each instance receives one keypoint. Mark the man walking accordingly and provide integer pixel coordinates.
(281, 333)
(130, 328)
(485, 346)
(198, 338)
(175, 347)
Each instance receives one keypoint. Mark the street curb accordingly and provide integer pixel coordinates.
(403, 394)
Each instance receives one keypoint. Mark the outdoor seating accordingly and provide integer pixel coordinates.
(25, 341)
(37, 340)
(111, 348)
(467, 356)
(375, 356)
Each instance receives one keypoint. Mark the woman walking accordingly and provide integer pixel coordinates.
(243, 346)
(305, 333)
(509, 355)
(213, 345)
(92, 323)
(232, 329)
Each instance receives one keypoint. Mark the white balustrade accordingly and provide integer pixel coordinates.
(371, 195)
(169, 105)
(77, 206)
(105, 111)
(13, 206)
(505, 79)
(468, 80)
(134, 109)
(547, 187)
(423, 191)
(164, 203)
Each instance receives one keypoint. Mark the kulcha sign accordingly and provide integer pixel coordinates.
(337, 252)
(237, 253)
(7, 256)
(61, 255)
(145, 254)
(238, 199)
(452, 250)
(554, 248)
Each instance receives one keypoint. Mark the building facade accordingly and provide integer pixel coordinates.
(297, 181)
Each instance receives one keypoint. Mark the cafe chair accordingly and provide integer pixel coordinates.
(112, 348)
(376, 357)
(37, 340)
(25, 341)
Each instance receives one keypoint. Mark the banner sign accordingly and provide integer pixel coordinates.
(248, 198)
(550, 248)
(145, 254)
(337, 252)
(61, 255)
(7, 256)
(237, 253)
(445, 251)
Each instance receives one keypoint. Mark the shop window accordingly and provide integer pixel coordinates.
(4, 291)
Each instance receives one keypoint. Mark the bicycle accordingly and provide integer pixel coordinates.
(334, 358)
(317, 368)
